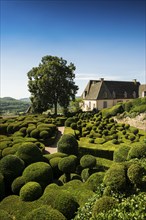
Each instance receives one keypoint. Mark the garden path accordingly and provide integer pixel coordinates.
(53, 148)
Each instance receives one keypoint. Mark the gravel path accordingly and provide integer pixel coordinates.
(53, 148)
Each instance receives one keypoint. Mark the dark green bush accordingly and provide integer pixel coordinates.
(121, 153)
(5, 215)
(88, 161)
(30, 191)
(54, 164)
(17, 184)
(23, 130)
(3, 128)
(137, 151)
(103, 205)
(66, 204)
(29, 153)
(115, 177)
(4, 144)
(115, 141)
(69, 121)
(74, 126)
(68, 144)
(34, 133)
(135, 173)
(30, 129)
(40, 172)
(131, 137)
(94, 181)
(45, 213)
(2, 187)
(134, 130)
(11, 167)
(85, 174)
(7, 151)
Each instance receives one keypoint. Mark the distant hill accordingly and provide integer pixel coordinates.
(9, 105)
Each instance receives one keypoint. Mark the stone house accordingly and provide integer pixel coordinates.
(100, 94)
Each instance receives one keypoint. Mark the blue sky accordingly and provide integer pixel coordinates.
(102, 38)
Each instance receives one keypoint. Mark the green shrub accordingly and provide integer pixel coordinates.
(121, 153)
(11, 167)
(17, 184)
(34, 133)
(137, 151)
(74, 126)
(44, 134)
(45, 213)
(66, 204)
(30, 129)
(69, 121)
(88, 161)
(115, 177)
(30, 191)
(68, 144)
(103, 205)
(57, 154)
(94, 181)
(85, 174)
(40, 172)
(29, 153)
(131, 137)
(7, 151)
(2, 187)
(134, 130)
(3, 128)
(5, 215)
(115, 141)
(23, 130)
(135, 174)
(4, 144)
(54, 164)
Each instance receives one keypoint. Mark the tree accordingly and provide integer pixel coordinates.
(51, 83)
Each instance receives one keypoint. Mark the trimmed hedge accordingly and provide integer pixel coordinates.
(68, 144)
(17, 184)
(120, 155)
(88, 161)
(30, 191)
(137, 151)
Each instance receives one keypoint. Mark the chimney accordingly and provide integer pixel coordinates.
(101, 79)
(135, 81)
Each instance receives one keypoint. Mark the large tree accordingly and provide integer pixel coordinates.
(51, 83)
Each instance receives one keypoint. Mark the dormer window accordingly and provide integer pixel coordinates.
(105, 95)
(134, 94)
(114, 95)
(85, 93)
(125, 94)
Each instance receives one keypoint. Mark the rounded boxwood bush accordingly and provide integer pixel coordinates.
(121, 153)
(88, 161)
(137, 151)
(44, 134)
(30, 191)
(54, 164)
(4, 215)
(69, 121)
(66, 204)
(45, 213)
(135, 173)
(8, 150)
(94, 180)
(103, 205)
(17, 184)
(11, 167)
(40, 172)
(29, 153)
(34, 133)
(115, 177)
(4, 144)
(68, 144)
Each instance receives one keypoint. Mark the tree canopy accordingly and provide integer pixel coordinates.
(51, 83)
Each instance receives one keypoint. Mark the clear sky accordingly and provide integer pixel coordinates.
(104, 39)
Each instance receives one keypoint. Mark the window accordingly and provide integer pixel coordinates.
(104, 104)
(144, 94)
(125, 94)
(134, 94)
(114, 95)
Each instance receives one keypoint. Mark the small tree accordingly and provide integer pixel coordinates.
(51, 83)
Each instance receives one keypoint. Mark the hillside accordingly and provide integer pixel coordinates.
(9, 105)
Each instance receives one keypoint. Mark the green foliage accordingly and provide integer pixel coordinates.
(115, 177)
(88, 161)
(5, 215)
(29, 153)
(103, 205)
(11, 167)
(135, 173)
(54, 164)
(68, 144)
(40, 172)
(94, 181)
(137, 151)
(121, 153)
(51, 83)
(30, 191)
(17, 184)
(34, 133)
(69, 121)
(45, 213)
(2, 187)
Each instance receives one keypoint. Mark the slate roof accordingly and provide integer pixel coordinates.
(96, 89)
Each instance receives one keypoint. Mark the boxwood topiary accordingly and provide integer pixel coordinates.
(94, 181)
(4, 215)
(54, 164)
(121, 153)
(103, 205)
(30, 191)
(34, 133)
(115, 177)
(11, 167)
(45, 213)
(40, 172)
(69, 121)
(68, 144)
(29, 153)
(17, 184)
(137, 151)
(2, 187)
(88, 161)
(135, 173)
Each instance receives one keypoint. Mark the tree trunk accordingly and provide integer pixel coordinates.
(55, 105)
